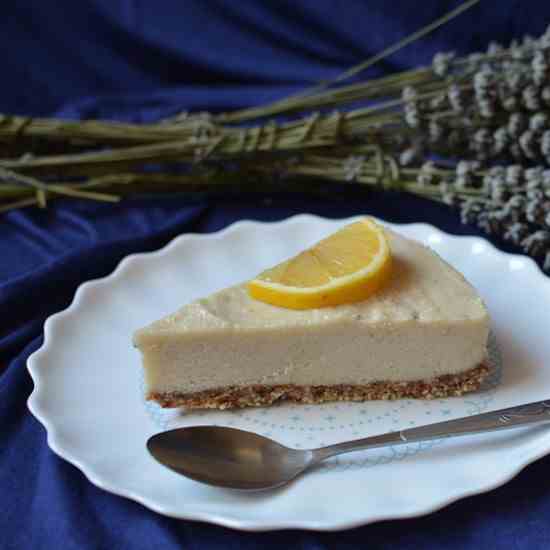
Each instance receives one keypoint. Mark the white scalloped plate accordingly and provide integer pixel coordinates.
(88, 392)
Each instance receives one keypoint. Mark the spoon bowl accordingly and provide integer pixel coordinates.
(228, 457)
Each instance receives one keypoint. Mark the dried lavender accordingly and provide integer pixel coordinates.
(488, 106)
(537, 243)
(470, 210)
(516, 232)
(410, 106)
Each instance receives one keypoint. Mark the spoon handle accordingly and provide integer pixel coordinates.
(511, 417)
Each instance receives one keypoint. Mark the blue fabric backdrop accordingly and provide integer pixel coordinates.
(137, 60)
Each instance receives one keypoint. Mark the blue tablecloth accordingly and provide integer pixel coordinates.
(137, 60)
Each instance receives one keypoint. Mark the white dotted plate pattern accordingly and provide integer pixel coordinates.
(89, 395)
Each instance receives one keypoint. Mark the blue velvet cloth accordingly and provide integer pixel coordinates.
(137, 60)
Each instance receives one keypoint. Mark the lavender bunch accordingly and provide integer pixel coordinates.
(471, 112)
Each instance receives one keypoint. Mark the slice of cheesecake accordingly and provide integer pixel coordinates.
(422, 335)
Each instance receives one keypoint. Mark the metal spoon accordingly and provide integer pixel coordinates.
(227, 457)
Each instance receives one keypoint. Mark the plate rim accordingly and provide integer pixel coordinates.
(34, 369)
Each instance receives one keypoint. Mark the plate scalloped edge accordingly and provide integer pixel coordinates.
(236, 523)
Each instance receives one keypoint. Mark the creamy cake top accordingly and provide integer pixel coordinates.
(422, 287)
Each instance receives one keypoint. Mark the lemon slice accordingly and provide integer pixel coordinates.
(348, 266)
